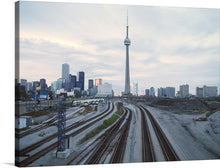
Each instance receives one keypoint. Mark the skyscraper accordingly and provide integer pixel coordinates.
(127, 42)
(65, 71)
(34, 85)
(43, 84)
(71, 83)
(72, 79)
(80, 80)
(90, 84)
(98, 82)
(29, 86)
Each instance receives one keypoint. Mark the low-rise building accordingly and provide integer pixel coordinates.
(23, 122)
(210, 91)
(207, 91)
(166, 92)
(93, 91)
(105, 90)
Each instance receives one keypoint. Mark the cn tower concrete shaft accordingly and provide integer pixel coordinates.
(127, 42)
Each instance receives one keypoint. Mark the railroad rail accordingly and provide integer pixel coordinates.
(51, 122)
(119, 151)
(147, 145)
(96, 151)
(111, 144)
(107, 138)
(69, 128)
(51, 147)
(168, 151)
(36, 129)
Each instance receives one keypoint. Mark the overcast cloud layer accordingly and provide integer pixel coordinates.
(169, 46)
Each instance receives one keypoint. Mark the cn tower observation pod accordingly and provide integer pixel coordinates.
(127, 41)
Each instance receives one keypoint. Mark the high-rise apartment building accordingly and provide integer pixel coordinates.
(184, 90)
(147, 92)
(170, 92)
(161, 92)
(152, 92)
(199, 92)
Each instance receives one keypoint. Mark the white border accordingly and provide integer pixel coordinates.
(7, 79)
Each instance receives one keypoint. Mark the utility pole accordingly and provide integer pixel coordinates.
(61, 126)
(62, 151)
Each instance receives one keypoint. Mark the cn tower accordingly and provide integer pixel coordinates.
(127, 42)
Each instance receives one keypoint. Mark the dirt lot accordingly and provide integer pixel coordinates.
(186, 104)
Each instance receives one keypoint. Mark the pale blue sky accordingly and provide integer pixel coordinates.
(169, 46)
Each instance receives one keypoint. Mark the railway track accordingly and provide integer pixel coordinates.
(111, 144)
(168, 151)
(24, 151)
(107, 138)
(95, 151)
(51, 147)
(51, 122)
(120, 147)
(38, 128)
(147, 145)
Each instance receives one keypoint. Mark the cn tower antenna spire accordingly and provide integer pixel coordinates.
(127, 17)
(127, 24)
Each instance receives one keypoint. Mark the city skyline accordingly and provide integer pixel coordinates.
(92, 83)
(171, 46)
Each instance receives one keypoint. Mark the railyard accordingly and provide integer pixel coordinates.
(141, 133)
